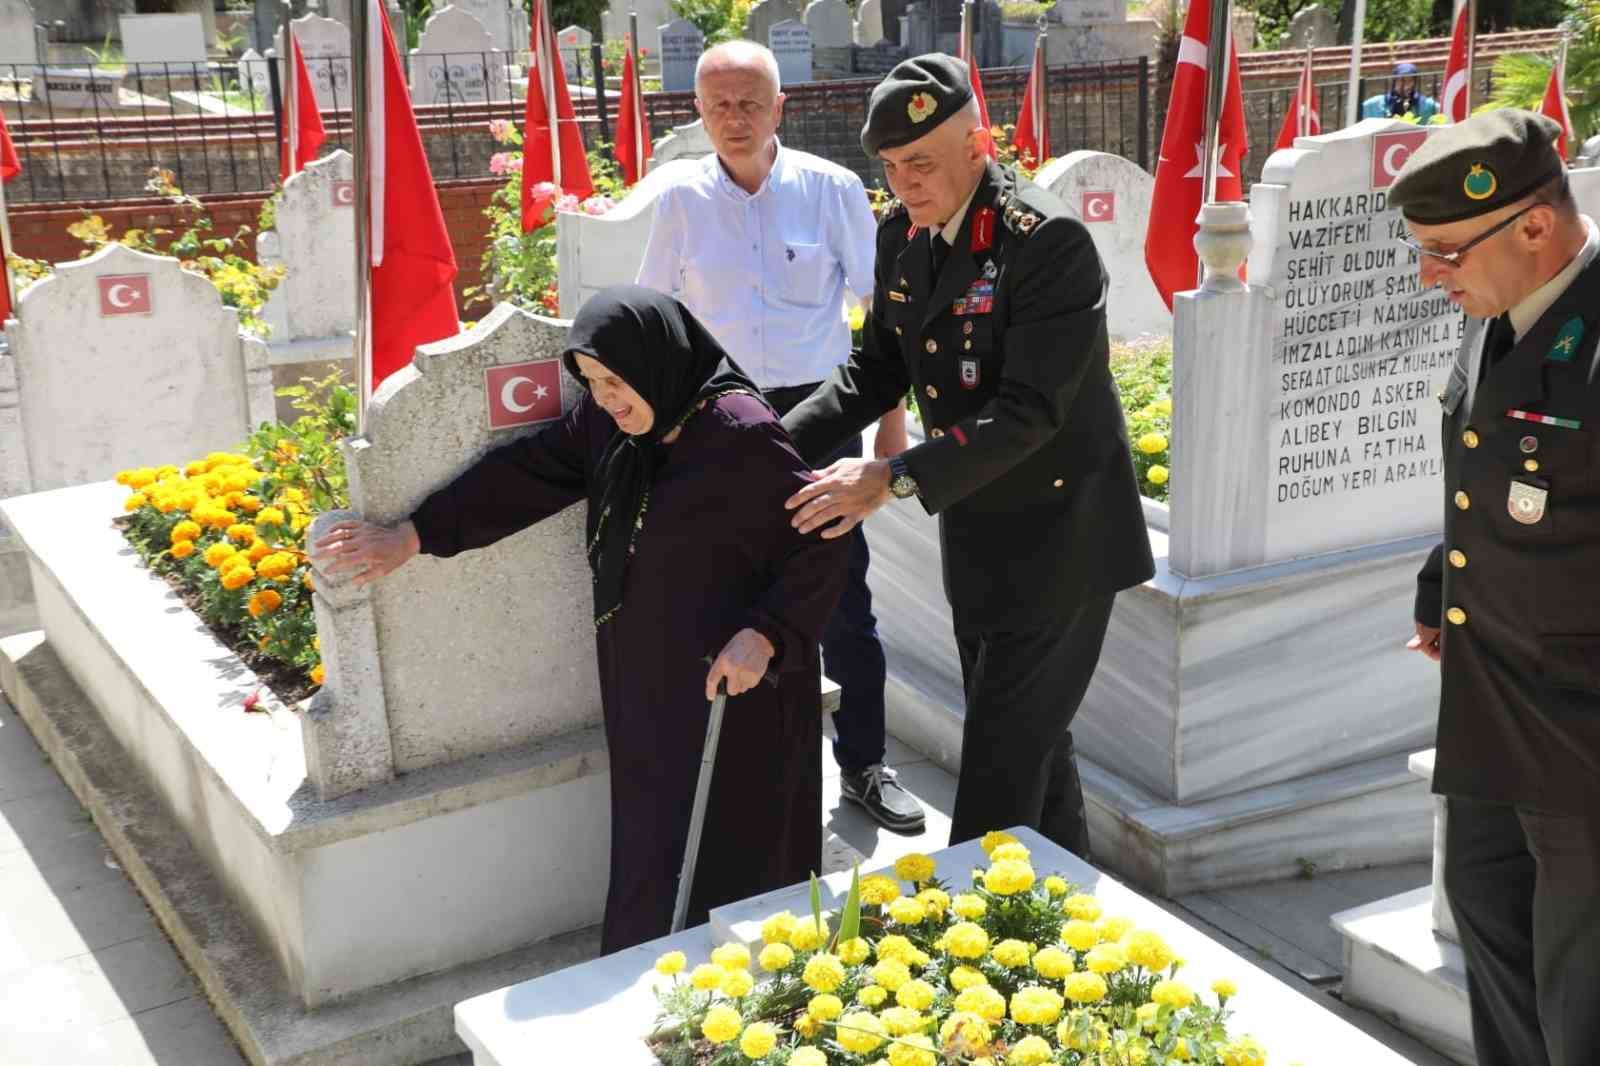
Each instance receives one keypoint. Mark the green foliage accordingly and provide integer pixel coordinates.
(1143, 373)
(1519, 79)
(585, 13)
(719, 20)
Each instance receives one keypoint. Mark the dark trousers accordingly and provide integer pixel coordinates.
(1023, 688)
(851, 652)
(1525, 889)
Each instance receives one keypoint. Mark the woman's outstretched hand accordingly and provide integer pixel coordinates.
(742, 663)
(365, 550)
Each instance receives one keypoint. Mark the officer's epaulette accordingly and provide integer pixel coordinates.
(1018, 216)
(892, 210)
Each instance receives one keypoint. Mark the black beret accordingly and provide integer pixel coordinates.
(917, 95)
(1474, 167)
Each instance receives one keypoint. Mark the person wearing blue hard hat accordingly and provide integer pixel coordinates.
(1405, 97)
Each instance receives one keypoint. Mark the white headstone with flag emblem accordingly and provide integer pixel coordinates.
(325, 43)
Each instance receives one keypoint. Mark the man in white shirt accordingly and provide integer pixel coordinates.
(763, 243)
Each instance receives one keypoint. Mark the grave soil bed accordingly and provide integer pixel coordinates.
(285, 680)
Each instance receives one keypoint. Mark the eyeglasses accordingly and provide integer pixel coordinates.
(1454, 258)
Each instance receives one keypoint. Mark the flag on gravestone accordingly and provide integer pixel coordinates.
(552, 144)
(1554, 104)
(413, 264)
(977, 80)
(302, 131)
(1033, 126)
(1302, 118)
(633, 125)
(1178, 194)
(1454, 104)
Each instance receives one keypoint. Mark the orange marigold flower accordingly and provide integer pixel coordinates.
(318, 674)
(237, 577)
(182, 549)
(265, 602)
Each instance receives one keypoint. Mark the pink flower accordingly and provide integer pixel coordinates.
(546, 190)
(505, 163)
(566, 202)
(501, 130)
(598, 205)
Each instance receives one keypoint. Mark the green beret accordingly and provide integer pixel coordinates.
(1474, 167)
(917, 95)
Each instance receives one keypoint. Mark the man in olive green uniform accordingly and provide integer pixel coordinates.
(989, 307)
(1516, 584)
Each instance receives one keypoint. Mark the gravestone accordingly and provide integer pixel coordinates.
(312, 312)
(681, 45)
(829, 23)
(790, 42)
(455, 62)
(1088, 12)
(595, 252)
(653, 14)
(339, 11)
(767, 14)
(254, 72)
(916, 28)
(497, 18)
(17, 42)
(869, 23)
(1110, 195)
(325, 44)
(1590, 153)
(689, 141)
(1312, 27)
(574, 42)
(78, 88)
(158, 40)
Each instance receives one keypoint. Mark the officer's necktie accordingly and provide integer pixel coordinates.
(1497, 345)
(941, 252)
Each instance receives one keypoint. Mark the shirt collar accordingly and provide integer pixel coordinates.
(952, 229)
(731, 187)
(1527, 313)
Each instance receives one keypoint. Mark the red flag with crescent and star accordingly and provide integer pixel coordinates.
(633, 125)
(1554, 104)
(1033, 127)
(1454, 104)
(1176, 199)
(302, 131)
(553, 159)
(977, 88)
(1302, 119)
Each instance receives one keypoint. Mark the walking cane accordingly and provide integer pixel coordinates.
(697, 816)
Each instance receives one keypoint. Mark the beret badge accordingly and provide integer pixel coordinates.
(1480, 183)
(921, 107)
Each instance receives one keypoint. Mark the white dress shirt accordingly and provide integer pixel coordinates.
(767, 272)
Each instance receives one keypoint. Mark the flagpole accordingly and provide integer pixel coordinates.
(1352, 96)
(547, 81)
(1218, 51)
(1472, 46)
(291, 86)
(1303, 119)
(966, 33)
(635, 92)
(7, 249)
(1042, 104)
(360, 120)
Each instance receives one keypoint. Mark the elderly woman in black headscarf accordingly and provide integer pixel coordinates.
(685, 470)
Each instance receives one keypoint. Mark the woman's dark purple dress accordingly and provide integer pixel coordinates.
(717, 554)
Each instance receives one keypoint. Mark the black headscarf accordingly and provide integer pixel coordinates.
(653, 343)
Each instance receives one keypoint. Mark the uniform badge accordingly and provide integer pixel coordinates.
(1480, 182)
(983, 229)
(921, 107)
(978, 300)
(1566, 343)
(1526, 502)
(990, 271)
(897, 296)
(969, 373)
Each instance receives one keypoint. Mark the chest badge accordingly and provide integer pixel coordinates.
(1566, 342)
(990, 271)
(978, 300)
(969, 373)
(1526, 502)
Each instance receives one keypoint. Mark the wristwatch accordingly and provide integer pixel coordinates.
(901, 483)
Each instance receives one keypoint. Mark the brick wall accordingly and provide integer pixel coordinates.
(40, 230)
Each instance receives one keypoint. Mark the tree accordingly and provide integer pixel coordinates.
(1520, 79)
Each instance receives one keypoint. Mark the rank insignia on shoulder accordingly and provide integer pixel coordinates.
(1566, 342)
(1019, 218)
(892, 209)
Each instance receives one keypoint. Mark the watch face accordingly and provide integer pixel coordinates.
(903, 486)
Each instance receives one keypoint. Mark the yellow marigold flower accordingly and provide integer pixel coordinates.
(899, 1021)
(890, 973)
(1012, 953)
(1163, 406)
(1036, 1006)
(969, 905)
(182, 549)
(854, 952)
(219, 553)
(1030, 1051)
(807, 1056)
(1180, 1051)
(963, 1034)
(1105, 958)
(1148, 1017)
(1010, 851)
(1153, 443)
(916, 994)
(721, 1024)
(823, 973)
(292, 495)
(1008, 877)
(194, 468)
(907, 910)
(825, 1007)
(994, 838)
(258, 550)
(878, 890)
(807, 1026)
(917, 960)
(1147, 949)
(934, 901)
(165, 504)
(856, 317)
(134, 502)
(1243, 1052)
(218, 517)
(730, 956)
(316, 643)
(775, 957)
(776, 929)
(1114, 928)
(915, 867)
(860, 1033)
(982, 1001)
(166, 471)
(185, 530)
(1052, 964)
(670, 963)
(1055, 886)
(1080, 935)
(707, 977)
(1085, 987)
(265, 602)
(1157, 474)
(965, 977)
(242, 532)
(895, 946)
(1174, 994)
(1224, 988)
(1082, 906)
(122, 476)
(318, 674)
(270, 516)
(249, 504)
(966, 940)
(737, 984)
(872, 995)
(912, 1051)
(807, 935)
(299, 522)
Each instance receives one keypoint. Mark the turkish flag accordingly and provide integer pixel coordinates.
(522, 393)
(413, 264)
(1302, 119)
(977, 83)
(1454, 105)
(1033, 123)
(1178, 194)
(302, 131)
(1554, 104)
(633, 125)
(10, 167)
(557, 160)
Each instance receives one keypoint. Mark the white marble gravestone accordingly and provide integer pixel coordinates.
(594, 252)
(325, 44)
(689, 141)
(499, 19)
(1312, 27)
(1111, 197)
(869, 23)
(164, 39)
(574, 42)
(254, 72)
(767, 14)
(17, 43)
(681, 45)
(830, 23)
(455, 61)
(78, 88)
(653, 14)
(790, 42)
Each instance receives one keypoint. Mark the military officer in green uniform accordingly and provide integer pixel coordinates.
(1509, 603)
(989, 307)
